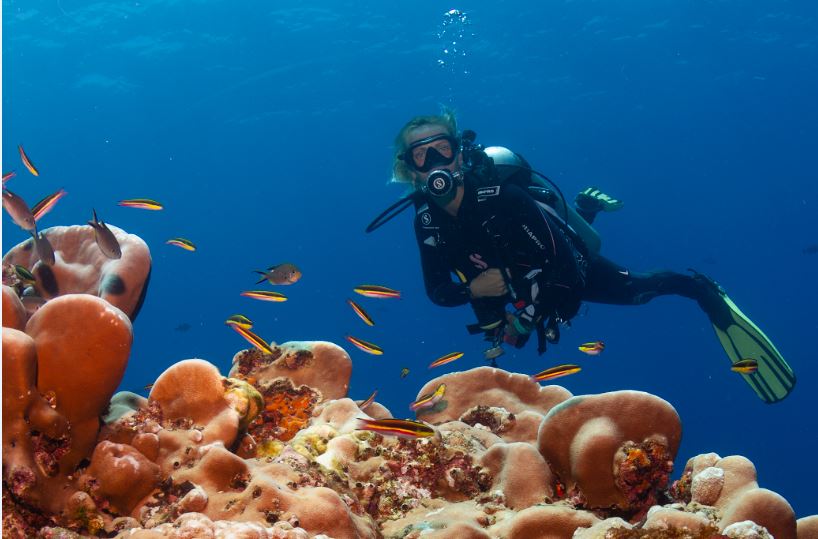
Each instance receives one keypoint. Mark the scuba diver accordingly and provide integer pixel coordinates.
(508, 235)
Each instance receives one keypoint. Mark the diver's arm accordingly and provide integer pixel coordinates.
(437, 277)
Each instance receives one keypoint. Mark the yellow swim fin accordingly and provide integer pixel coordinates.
(742, 339)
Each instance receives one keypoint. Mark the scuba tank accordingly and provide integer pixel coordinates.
(511, 167)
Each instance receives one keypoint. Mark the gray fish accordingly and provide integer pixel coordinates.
(18, 210)
(285, 273)
(105, 238)
(43, 247)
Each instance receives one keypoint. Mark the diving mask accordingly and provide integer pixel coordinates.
(430, 152)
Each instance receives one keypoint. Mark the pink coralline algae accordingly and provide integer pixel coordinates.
(273, 450)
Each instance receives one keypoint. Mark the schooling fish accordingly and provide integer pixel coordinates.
(285, 273)
(264, 295)
(403, 428)
(376, 291)
(239, 320)
(254, 339)
(430, 399)
(27, 162)
(367, 347)
(43, 247)
(448, 358)
(18, 210)
(185, 244)
(369, 400)
(141, 203)
(361, 313)
(556, 372)
(44, 206)
(745, 366)
(106, 240)
(592, 348)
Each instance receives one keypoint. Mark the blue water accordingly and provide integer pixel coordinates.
(266, 130)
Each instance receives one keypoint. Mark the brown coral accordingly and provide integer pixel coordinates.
(81, 268)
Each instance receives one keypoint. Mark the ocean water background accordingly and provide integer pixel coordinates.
(266, 129)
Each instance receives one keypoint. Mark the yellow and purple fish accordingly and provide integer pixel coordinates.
(283, 274)
(429, 400)
(184, 243)
(27, 162)
(44, 206)
(404, 372)
(367, 347)
(361, 313)
(403, 428)
(264, 295)
(592, 348)
(106, 240)
(18, 210)
(7, 176)
(376, 291)
(253, 339)
(141, 203)
(239, 320)
(556, 372)
(448, 358)
(745, 366)
(369, 400)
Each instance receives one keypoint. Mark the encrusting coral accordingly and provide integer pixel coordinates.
(275, 450)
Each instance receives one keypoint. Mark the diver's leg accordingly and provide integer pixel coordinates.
(607, 282)
(590, 201)
(741, 339)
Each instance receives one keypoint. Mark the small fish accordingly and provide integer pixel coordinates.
(44, 206)
(745, 366)
(361, 313)
(264, 295)
(556, 372)
(43, 247)
(808, 250)
(254, 339)
(285, 273)
(25, 276)
(367, 347)
(185, 244)
(106, 240)
(592, 348)
(7, 176)
(448, 358)
(27, 162)
(369, 400)
(148, 387)
(403, 428)
(375, 291)
(184, 326)
(429, 400)
(18, 210)
(404, 372)
(239, 320)
(141, 203)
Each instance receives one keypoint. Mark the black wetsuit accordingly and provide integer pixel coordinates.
(546, 267)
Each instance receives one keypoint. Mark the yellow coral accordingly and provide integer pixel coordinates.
(244, 399)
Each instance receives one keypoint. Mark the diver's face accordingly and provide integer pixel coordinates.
(443, 146)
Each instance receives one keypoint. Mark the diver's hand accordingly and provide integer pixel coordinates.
(489, 283)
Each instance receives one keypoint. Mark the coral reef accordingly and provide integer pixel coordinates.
(81, 268)
(275, 448)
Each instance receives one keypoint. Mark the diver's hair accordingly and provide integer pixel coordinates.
(401, 173)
